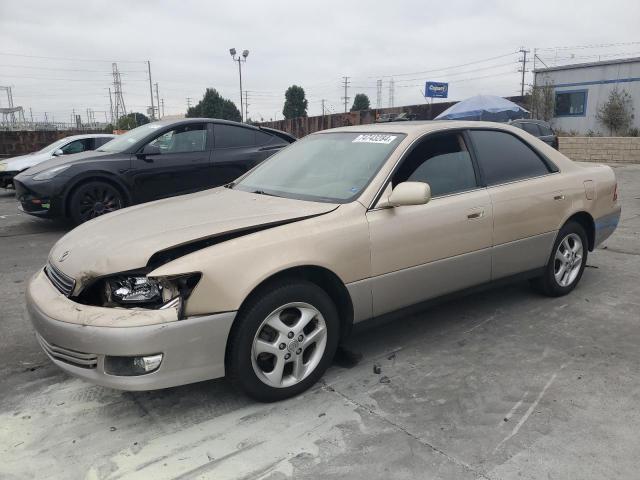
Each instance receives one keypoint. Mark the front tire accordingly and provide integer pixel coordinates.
(566, 263)
(283, 341)
(92, 199)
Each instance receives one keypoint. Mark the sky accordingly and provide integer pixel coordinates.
(57, 56)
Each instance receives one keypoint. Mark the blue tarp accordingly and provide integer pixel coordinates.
(484, 107)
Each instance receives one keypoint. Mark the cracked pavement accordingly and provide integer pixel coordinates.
(499, 384)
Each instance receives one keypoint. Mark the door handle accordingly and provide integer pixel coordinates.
(558, 197)
(476, 214)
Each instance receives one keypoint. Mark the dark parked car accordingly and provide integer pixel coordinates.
(154, 161)
(539, 129)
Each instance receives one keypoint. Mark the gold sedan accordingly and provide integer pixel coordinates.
(260, 280)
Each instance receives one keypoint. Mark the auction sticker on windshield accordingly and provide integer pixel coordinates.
(374, 138)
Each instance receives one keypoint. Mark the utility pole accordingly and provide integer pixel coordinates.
(240, 59)
(523, 69)
(158, 100)
(379, 93)
(162, 101)
(151, 90)
(345, 82)
(188, 104)
(246, 105)
(392, 89)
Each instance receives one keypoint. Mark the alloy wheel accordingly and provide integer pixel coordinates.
(98, 200)
(289, 345)
(568, 260)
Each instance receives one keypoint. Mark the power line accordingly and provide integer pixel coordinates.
(69, 59)
(445, 68)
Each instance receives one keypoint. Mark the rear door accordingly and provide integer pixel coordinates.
(180, 163)
(238, 149)
(528, 200)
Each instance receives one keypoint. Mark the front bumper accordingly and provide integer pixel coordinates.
(41, 199)
(6, 178)
(193, 349)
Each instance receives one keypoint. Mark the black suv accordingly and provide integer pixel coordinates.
(539, 129)
(154, 161)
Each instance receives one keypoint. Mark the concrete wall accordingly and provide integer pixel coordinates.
(597, 81)
(302, 126)
(601, 149)
(14, 143)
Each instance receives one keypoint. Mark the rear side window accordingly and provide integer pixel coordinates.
(101, 141)
(263, 138)
(546, 131)
(227, 136)
(504, 158)
(531, 128)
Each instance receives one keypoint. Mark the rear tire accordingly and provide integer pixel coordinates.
(566, 262)
(92, 199)
(282, 341)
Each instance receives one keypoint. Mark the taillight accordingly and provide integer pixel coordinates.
(615, 192)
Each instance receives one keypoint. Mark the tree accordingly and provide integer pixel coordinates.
(617, 112)
(360, 102)
(295, 104)
(132, 120)
(541, 101)
(213, 105)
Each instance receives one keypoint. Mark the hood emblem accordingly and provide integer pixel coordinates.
(63, 256)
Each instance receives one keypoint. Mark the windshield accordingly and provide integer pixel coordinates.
(124, 141)
(54, 146)
(328, 167)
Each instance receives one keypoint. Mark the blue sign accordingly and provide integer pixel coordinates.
(436, 90)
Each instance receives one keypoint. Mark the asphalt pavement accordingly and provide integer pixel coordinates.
(501, 384)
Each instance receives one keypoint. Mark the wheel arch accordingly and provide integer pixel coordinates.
(586, 220)
(96, 177)
(323, 278)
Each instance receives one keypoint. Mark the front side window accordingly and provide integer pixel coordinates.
(77, 146)
(442, 161)
(184, 139)
(326, 167)
(228, 136)
(571, 103)
(505, 158)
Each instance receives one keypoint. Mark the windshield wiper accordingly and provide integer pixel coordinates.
(262, 192)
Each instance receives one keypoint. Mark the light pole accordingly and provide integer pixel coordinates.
(240, 59)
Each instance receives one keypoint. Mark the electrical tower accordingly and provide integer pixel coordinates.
(392, 88)
(379, 93)
(346, 99)
(119, 110)
(157, 100)
(524, 52)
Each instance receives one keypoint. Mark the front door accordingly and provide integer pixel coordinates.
(424, 251)
(178, 162)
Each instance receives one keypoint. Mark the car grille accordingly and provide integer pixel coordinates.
(77, 359)
(62, 282)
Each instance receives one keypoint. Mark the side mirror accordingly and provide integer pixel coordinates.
(150, 149)
(408, 193)
(58, 152)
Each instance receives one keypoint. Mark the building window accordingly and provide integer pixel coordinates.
(571, 104)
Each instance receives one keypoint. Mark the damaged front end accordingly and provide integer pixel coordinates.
(137, 290)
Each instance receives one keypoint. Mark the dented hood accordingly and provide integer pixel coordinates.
(126, 239)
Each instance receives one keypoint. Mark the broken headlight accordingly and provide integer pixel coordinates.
(149, 292)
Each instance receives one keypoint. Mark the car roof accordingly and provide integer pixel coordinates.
(220, 121)
(416, 127)
(88, 135)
